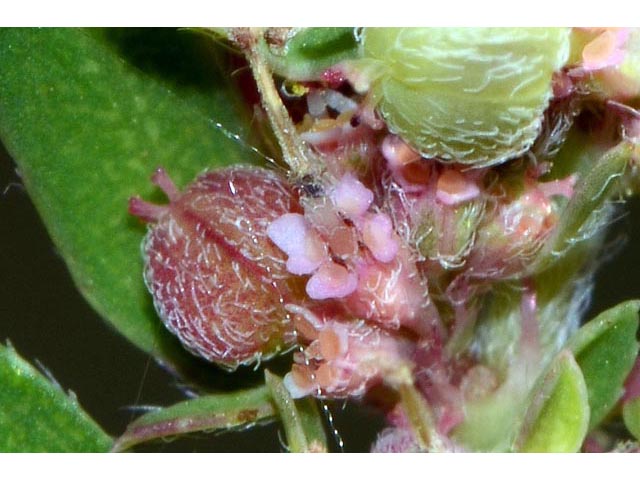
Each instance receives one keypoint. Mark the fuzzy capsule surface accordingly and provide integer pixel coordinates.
(218, 283)
(473, 95)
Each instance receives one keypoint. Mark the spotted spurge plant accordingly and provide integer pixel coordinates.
(412, 222)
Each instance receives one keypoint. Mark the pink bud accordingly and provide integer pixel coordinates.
(454, 188)
(397, 152)
(331, 281)
(293, 235)
(333, 341)
(406, 165)
(351, 197)
(378, 235)
(392, 294)
(606, 50)
(346, 359)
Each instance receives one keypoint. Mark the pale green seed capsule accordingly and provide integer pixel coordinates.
(469, 95)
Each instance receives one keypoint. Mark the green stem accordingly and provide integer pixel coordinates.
(301, 420)
(420, 418)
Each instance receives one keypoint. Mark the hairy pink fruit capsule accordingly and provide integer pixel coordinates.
(217, 281)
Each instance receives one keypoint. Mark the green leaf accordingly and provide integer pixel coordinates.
(209, 413)
(558, 416)
(606, 349)
(631, 416)
(87, 129)
(300, 418)
(310, 51)
(37, 416)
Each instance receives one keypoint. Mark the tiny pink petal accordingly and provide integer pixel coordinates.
(379, 237)
(563, 187)
(294, 236)
(397, 152)
(351, 197)
(333, 341)
(331, 281)
(606, 50)
(454, 188)
(296, 391)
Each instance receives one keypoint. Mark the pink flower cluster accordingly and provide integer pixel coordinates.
(328, 250)
(362, 284)
(343, 358)
(369, 313)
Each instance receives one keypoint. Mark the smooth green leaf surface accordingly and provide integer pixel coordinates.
(37, 416)
(87, 129)
(606, 349)
(631, 415)
(300, 418)
(558, 417)
(209, 413)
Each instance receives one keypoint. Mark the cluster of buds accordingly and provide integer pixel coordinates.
(409, 199)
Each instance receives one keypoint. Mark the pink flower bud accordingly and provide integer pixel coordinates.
(331, 281)
(508, 240)
(605, 50)
(378, 235)
(351, 197)
(293, 235)
(392, 294)
(397, 152)
(454, 188)
(346, 359)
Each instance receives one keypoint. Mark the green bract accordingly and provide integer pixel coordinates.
(606, 349)
(301, 419)
(308, 52)
(631, 415)
(558, 417)
(208, 413)
(470, 95)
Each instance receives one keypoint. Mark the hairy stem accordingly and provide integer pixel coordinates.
(295, 152)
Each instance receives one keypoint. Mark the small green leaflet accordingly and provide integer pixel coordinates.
(37, 416)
